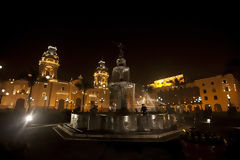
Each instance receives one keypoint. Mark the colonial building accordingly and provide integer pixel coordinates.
(219, 91)
(48, 65)
(216, 92)
(172, 91)
(47, 90)
(99, 95)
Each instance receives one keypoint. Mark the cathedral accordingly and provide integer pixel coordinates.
(49, 92)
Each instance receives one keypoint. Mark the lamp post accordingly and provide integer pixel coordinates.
(50, 92)
(101, 100)
(228, 97)
(67, 101)
(1, 67)
(1, 95)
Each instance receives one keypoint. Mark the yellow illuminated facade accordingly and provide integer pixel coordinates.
(47, 91)
(101, 76)
(49, 63)
(218, 91)
(166, 82)
(99, 95)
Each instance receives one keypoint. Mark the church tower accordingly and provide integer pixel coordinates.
(101, 76)
(48, 65)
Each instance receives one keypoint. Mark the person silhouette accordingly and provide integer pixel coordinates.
(144, 109)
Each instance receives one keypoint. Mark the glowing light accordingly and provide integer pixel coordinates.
(208, 120)
(29, 75)
(153, 116)
(29, 118)
(3, 90)
(126, 118)
(183, 130)
(101, 99)
(228, 96)
(1, 67)
(7, 93)
(45, 98)
(48, 77)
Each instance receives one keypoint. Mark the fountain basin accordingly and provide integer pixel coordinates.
(122, 123)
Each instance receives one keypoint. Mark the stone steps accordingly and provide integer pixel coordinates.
(68, 133)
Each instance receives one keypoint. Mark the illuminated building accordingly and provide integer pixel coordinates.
(99, 95)
(49, 63)
(101, 76)
(47, 91)
(216, 92)
(165, 82)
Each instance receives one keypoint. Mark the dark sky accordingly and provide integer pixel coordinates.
(156, 47)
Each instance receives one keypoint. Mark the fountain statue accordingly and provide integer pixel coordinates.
(122, 91)
(124, 118)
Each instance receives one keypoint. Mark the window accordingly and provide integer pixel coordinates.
(226, 89)
(213, 90)
(212, 83)
(204, 91)
(224, 81)
(203, 84)
(215, 97)
(45, 86)
(206, 98)
(62, 88)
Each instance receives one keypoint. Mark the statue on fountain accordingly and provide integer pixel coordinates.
(122, 90)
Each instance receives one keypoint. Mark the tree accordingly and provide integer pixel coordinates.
(84, 86)
(31, 78)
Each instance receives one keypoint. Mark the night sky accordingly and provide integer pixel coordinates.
(156, 47)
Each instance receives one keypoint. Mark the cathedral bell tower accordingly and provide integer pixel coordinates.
(48, 65)
(101, 76)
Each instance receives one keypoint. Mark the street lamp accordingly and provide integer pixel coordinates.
(67, 100)
(1, 66)
(101, 100)
(228, 96)
(48, 77)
